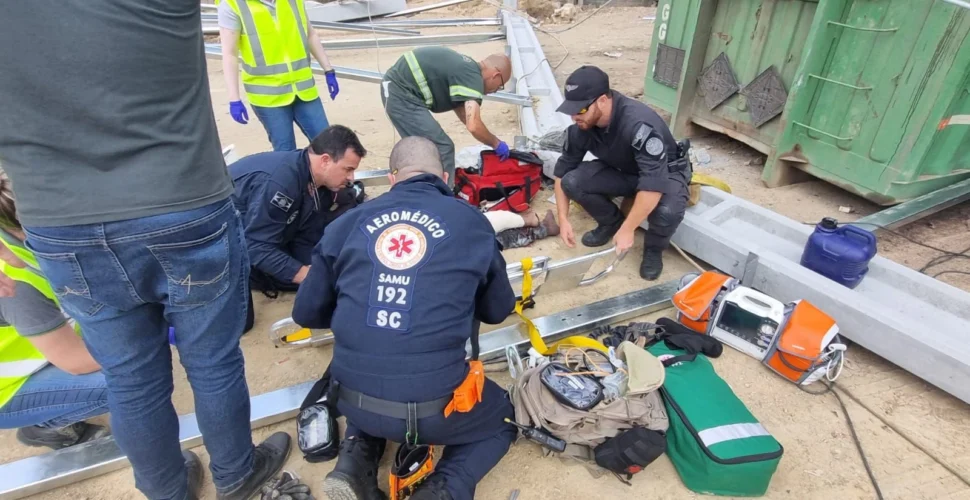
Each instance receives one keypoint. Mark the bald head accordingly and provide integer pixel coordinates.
(496, 72)
(414, 156)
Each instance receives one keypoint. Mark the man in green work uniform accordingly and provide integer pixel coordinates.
(435, 80)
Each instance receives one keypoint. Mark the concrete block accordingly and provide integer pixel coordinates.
(917, 322)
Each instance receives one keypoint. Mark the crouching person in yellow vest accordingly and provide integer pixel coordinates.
(49, 383)
(274, 40)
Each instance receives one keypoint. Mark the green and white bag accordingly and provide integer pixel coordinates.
(717, 446)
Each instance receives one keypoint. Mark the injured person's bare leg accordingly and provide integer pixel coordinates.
(524, 236)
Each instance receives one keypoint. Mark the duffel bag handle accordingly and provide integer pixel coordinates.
(677, 359)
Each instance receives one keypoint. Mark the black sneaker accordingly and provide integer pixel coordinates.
(601, 235)
(268, 459)
(63, 437)
(194, 467)
(355, 475)
(432, 488)
(652, 264)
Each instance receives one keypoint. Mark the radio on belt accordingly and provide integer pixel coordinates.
(796, 340)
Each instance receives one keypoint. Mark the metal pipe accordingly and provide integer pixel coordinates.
(214, 51)
(413, 41)
(338, 26)
(430, 23)
(917, 208)
(959, 3)
(427, 8)
(41, 473)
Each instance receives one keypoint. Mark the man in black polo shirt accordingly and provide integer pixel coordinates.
(638, 158)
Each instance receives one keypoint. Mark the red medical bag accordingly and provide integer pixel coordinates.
(501, 185)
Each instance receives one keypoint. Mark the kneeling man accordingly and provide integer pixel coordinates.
(287, 198)
(638, 158)
(403, 281)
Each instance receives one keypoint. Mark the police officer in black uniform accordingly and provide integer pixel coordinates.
(403, 281)
(287, 198)
(637, 157)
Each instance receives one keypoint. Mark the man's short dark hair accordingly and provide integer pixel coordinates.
(334, 141)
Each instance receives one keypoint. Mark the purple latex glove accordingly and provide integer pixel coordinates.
(502, 150)
(332, 84)
(238, 111)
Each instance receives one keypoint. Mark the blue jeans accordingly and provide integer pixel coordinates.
(53, 398)
(125, 282)
(278, 122)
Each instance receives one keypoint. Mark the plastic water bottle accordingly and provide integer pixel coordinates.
(840, 253)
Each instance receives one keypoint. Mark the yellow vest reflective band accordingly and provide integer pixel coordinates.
(19, 359)
(275, 53)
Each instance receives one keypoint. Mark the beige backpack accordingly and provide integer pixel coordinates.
(535, 406)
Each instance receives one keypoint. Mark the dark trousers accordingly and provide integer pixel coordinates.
(594, 184)
(474, 442)
(410, 118)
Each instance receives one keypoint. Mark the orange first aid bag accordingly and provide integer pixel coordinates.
(698, 298)
(807, 345)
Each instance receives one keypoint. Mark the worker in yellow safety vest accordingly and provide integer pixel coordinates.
(49, 383)
(274, 40)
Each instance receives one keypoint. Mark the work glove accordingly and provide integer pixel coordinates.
(286, 487)
(238, 111)
(332, 84)
(502, 150)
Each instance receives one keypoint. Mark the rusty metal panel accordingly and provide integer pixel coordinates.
(718, 82)
(670, 62)
(766, 96)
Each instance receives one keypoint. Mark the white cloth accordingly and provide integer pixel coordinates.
(503, 219)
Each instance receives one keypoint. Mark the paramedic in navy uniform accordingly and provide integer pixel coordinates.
(402, 281)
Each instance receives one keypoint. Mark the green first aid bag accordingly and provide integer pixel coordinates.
(717, 446)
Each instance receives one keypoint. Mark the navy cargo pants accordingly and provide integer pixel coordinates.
(411, 118)
(594, 184)
(474, 442)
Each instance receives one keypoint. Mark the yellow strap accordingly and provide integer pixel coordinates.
(534, 336)
(707, 180)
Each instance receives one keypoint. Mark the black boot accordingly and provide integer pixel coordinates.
(652, 264)
(268, 459)
(432, 488)
(63, 437)
(601, 235)
(355, 475)
(194, 467)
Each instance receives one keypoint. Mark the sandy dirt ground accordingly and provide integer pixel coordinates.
(820, 460)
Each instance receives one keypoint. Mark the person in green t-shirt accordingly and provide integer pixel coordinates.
(435, 80)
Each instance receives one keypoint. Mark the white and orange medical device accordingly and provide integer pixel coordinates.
(796, 340)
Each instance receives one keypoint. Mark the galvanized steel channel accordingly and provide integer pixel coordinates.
(45, 472)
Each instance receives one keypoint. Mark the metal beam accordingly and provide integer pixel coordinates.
(910, 319)
(349, 10)
(917, 208)
(413, 41)
(214, 51)
(41, 473)
(534, 80)
(433, 6)
(431, 23)
(579, 319)
(211, 19)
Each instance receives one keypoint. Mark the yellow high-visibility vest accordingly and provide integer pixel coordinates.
(19, 359)
(275, 53)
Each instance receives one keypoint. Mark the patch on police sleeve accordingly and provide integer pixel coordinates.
(281, 201)
(643, 132)
(400, 247)
(655, 146)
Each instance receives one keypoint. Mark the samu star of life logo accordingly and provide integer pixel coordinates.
(401, 246)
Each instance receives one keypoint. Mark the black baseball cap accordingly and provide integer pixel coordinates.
(583, 87)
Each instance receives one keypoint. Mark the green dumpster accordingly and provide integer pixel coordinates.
(870, 95)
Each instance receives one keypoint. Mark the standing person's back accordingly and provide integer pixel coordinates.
(109, 138)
